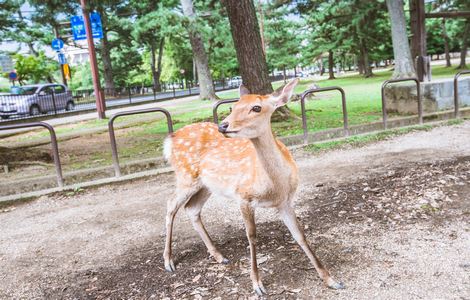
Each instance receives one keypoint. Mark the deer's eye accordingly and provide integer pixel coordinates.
(256, 108)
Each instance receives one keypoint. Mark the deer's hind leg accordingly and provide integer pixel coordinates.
(183, 195)
(193, 209)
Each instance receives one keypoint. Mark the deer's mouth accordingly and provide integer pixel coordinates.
(230, 133)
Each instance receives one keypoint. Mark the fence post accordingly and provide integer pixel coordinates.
(112, 136)
(55, 147)
(456, 92)
(418, 95)
(53, 102)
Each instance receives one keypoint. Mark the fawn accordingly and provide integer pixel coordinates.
(242, 160)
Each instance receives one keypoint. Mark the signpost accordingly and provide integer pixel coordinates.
(66, 69)
(57, 44)
(61, 58)
(13, 76)
(79, 29)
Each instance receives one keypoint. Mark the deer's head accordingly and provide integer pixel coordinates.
(251, 115)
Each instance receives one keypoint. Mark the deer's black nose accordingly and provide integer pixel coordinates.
(223, 127)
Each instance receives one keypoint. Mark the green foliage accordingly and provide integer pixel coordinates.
(297, 33)
(347, 28)
(219, 44)
(283, 38)
(31, 68)
(81, 78)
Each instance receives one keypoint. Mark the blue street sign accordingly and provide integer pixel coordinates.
(78, 27)
(57, 44)
(12, 75)
(61, 58)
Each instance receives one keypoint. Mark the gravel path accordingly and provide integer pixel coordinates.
(390, 220)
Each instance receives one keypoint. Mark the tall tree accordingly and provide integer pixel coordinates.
(247, 40)
(251, 59)
(221, 51)
(283, 39)
(9, 8)
(404, 66)
(206, 85)
(445, 37)
(464, 45)
(156, 20)
(105, 52)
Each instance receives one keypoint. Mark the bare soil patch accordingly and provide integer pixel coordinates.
(423, 199)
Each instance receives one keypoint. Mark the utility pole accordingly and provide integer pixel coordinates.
(100, 103)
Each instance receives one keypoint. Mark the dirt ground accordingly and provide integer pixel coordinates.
(390, 220)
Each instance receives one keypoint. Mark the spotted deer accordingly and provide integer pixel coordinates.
(241, 160)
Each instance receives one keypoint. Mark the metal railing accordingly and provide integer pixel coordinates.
(216, 107)
(418, 95)
(55, 148)
(456, 91)
(112, 136)
(318, 90)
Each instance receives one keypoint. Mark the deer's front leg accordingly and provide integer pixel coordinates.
(288, 216)
(248, 214)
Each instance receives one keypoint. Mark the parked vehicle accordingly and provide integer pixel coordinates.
(36, 99)
(235, 81)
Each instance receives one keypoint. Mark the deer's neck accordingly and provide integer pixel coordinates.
(271, 158)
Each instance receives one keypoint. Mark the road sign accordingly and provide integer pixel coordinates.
(61, 58)
(78, 27)
(66, 69)
(13, 75)
(57, 44)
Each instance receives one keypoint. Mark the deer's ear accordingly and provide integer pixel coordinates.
(282, 95)
(243, 90)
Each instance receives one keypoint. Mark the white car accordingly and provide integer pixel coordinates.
(35, 99)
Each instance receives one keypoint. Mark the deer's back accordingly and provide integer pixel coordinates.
(225, 165)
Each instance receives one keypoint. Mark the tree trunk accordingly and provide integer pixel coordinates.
(331, 64)
(206, 86)
(247, 40)
(401, 49)
(251, 59)
(284, 76)
(464, 46)
(365, 59)
(360, 63)
(156, 64)
(106, 57)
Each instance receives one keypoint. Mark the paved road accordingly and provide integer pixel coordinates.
(138, 99)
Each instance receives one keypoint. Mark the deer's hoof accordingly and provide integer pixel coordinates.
(337, 285)
(170, 266)
(225, 261)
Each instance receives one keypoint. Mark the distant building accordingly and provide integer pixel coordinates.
(76, 55)
(6, 63)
